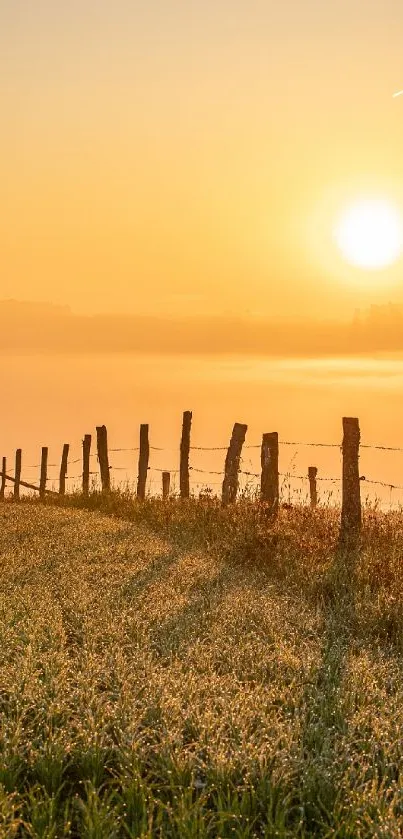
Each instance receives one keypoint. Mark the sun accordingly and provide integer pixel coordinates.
(369, 234)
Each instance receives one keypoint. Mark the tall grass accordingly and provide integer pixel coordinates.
(179, 670)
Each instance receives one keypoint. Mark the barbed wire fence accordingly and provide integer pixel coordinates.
(219, 473)
(237, 474)
(129, 468)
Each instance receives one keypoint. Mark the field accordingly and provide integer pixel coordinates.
(178, 670)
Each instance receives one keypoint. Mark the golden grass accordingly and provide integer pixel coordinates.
(179, 670)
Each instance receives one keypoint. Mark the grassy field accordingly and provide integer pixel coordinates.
(175, 670)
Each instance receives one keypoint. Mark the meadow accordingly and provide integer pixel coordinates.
(181, 670)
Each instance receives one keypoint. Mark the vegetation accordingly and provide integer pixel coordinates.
(178, 670)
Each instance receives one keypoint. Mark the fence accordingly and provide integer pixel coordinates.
(269, 475)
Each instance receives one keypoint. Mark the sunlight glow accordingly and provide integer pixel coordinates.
(369, 234)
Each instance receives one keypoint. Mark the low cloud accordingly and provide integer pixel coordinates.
(46, 328)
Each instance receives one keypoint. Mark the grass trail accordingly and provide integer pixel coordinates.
(152, 688)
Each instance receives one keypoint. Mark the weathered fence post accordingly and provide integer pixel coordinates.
(184, 458)
(144, 455)
(102, 446)
(86, 465)
(17, 477)
(269, 482)
(313, 492)
(44, 472)
(351, 499)
(166, 483)
(232, 461)
(3, 479)
(63, 469)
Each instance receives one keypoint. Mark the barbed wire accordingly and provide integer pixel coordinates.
(38, 466)
(171, 471)
(301, 443)
(206, 471)
(247, 473)
(381, 448)
(137, 449)
(209, 448)
(382, 483)
(288, 476)
(285, 475)
(207, 484)
(315, 445)
(375, 447)
(259, 446)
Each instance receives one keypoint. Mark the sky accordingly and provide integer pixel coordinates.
(185, 158)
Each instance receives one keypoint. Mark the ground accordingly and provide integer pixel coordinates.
(150, 687)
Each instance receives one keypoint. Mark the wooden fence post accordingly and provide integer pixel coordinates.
(102, 446)
(166, 483)
(184, 455)
(63, 469)
(17, 477)
(86, 465)
(351, 498)
(144, 455)
(44, 472)
(232, 461)
(3, 479)
(313, 492)
(269, 483)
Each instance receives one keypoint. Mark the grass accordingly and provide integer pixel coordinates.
(179, 670)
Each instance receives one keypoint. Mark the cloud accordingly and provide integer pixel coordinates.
(45, 328)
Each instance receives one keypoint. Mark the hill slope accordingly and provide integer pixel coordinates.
(151, 691)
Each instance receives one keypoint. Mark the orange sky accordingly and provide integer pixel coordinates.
(185, 156)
